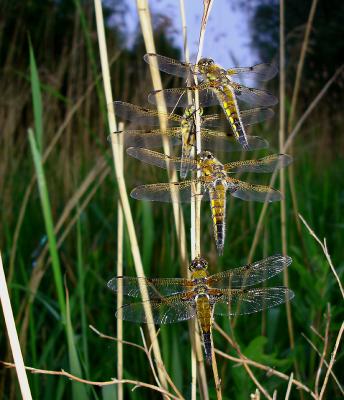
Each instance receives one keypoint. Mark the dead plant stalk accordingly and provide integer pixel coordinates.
(121, 184)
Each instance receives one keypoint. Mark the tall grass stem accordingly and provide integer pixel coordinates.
(121, 185)
(13, 336)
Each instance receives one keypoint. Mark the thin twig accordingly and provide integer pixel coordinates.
(269, 370)
(244, 360)
(333, 358)
(325, 362)
(323, 354)
(13, 336)
(113, 381)
(325, 250)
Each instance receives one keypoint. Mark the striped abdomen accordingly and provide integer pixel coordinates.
(231, 109)
(218, 213)
(204, 311)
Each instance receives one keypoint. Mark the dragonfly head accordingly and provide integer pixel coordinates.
(204, 64)
(206, 156)
(198, 263)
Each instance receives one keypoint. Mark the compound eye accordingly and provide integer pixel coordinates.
(209, 156)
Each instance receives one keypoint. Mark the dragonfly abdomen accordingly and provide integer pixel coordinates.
(231, 109)
(218, 211)
(203, 309)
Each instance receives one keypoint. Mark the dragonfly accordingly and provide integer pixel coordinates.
(218, 86)
(203, 296)
(182, 129)
(214, 182)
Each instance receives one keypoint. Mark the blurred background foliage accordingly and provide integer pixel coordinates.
(83, 198)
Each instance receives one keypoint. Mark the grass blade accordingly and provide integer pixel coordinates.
(36, 99)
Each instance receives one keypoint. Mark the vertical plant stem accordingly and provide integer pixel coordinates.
(13, 336)
(120, 232)
(282, 125)
(196, 226)
(122, 188)
(147, 32)
(291, 118)
(196, 348)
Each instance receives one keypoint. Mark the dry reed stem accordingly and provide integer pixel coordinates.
(13, 336)
(147, 32)
(294, 99)
(121, 184)
(244, 360)
(286, 146)
(325, 362)
(196, 221)
(333, 357)
(281, 136)
(95, 383)
(323, 354)
(119, 269)
(290, 384)
(196, 349)
(325, 251)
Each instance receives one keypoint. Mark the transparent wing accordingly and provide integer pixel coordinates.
(169, 65)
(256, 115)
(160, 160)
(248, 117)
(169, 192)
(247, 191)
(141, 116)
(250, 274)
(179, 97)
(150, 137)
(253, 96)
(220, 141)
(156, 288)
(263, 165)
(261, 72)
(164, 311)
(248, 301)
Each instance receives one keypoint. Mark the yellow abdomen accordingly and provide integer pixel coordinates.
(231, 109)
(218, 213)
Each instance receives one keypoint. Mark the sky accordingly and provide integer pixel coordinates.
(227, 36)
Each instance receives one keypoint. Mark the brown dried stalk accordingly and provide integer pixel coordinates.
(121, 184)
(113, 381)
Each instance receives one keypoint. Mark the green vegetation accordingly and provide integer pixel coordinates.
(62, 225)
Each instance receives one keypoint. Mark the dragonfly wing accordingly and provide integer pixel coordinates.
(169, 192)
(250, 274)
(156, 288)
(247, 191)
(261, 72)
(166, 310)
(256, 115)
(179, 97)
(253, 96)
(169, 65)
(220, 141)
(150, 137)
(158, 159)
(263, 165)
(248, 301)
(141, 116)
